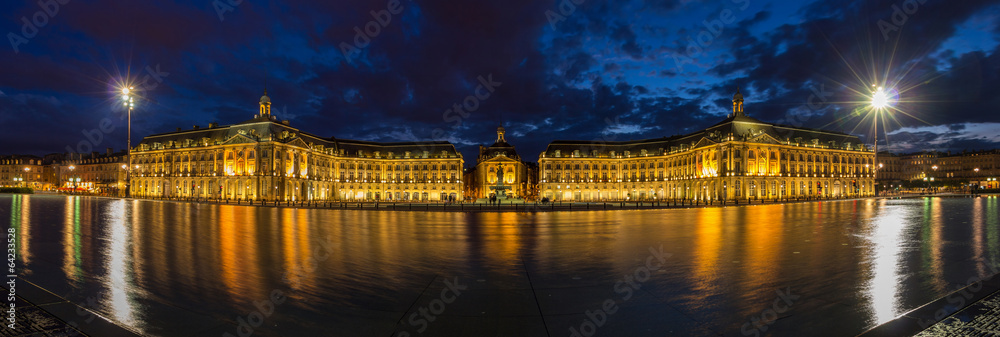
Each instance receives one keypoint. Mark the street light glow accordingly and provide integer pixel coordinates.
(880, 99)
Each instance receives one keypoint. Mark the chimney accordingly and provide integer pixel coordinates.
(284, 122)
(195, 127)
(213, 125)
(110, 150)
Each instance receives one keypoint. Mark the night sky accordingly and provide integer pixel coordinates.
(585, 70)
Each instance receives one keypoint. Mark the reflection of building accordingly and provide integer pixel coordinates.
(519, 175)
(262, 158)
(738, 158)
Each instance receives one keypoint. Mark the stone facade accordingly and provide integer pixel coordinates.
(737, 158)
(520, 176)
(264, 159)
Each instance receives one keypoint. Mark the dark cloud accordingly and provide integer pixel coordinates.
(606, 70)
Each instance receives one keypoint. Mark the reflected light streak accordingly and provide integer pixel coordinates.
(708, 247)
(71, 239)
(992, 232)
(977, 237)
(764, 235)
(24, 232)
(886, 240)
(20, 220)
(116, 259)
(932, 242)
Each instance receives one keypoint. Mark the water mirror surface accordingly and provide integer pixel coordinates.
(832, 268)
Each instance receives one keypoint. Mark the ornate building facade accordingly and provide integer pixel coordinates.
(23, 171)
(264, 159)
(521, 177)
(738, 158)
(99, 173)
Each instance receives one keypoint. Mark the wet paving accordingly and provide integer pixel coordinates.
(831, 268)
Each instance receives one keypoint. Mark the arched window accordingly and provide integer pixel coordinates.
(251, 162)
(230, 162)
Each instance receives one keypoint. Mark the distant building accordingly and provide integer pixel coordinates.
(980, 168)
(23, 171)
(262, 158)
(738, 158)
(99, 173)
(520, 176)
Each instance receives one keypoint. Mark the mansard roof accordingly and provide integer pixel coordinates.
(262, 129)
(739, 127)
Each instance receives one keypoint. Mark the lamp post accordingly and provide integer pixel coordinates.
(934, 174)
(880, 100)
(129, 103)
(976, 176)
(72, 169)
(27, 173)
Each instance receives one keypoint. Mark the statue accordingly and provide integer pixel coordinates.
(500, 189)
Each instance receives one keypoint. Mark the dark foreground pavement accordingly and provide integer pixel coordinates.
(42, 313)
(971, 311)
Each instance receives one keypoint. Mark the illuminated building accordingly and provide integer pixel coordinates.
(100, 173)
(738, 158)
(520, 176)
(22, 171)
(264, 159)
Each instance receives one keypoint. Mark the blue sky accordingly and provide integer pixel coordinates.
(597, 70)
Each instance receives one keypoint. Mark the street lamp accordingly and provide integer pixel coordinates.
(935, 172)
(129, 103)
(72, 168)
(880, 101)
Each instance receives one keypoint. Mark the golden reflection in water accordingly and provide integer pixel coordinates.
(993, 232)
(885, 242)
(764, 229)
(71, 239)
(116, 260)
(24, 230)
(239, 252)
(977, 237)
(708, 242)
(503, 244)
(137, 244)
(20, 221)
(935, 243)
(299, 268)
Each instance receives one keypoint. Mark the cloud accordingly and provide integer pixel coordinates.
(606, 69)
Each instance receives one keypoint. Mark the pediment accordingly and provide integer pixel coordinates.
(704, 142)
(764, 138)
(239, 138)
(299, 142)
(497, 159)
